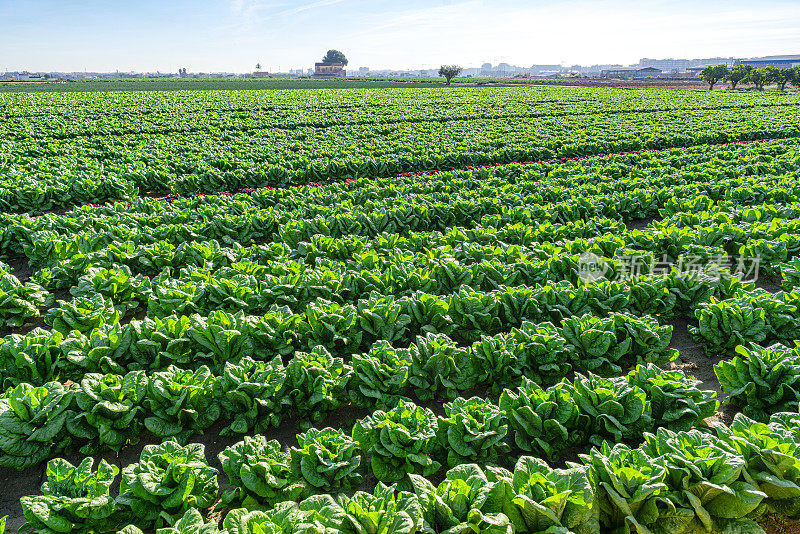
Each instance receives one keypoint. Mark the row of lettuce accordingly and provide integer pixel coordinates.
(722, 480)
(87, 335)
(114, 399)
(218, 149)
(107, 412)
(128, 378)
(349, 269)
(465, 201)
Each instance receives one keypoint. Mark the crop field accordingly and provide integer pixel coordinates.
(540, 310)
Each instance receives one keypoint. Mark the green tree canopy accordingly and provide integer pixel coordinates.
(737, 74)
(449, 72)
(335, 56)
(757, 77)
(714, 74)
(779, 76)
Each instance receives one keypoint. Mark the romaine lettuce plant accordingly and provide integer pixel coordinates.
(328, 460)
(630, 485)
(726, 324)
(333, 326)
(772, 458)
(382, 318)
(429, 314)
(675, 401)
(253, 395)
(285, 518)
(543, 421)
(613, 409)
(182, 403)
(260, 474)
(118, 283)
(473, 431)
(649, 340)
(316, 382)
(104, 350)
(158, 343)
(706, 481)
(34, 423)
(761, 380)
(541, 349)
(475, 314)
(276, 332)
(166, 482)
(466, 501)
(385, 511)
(440, 367)
(399, 441)
(380, 376)
(593, 345)
(790, 275)
(112, 407)
(34, 358)
(176, 296)
(83, 314)
(653, 296)
(498, 360)
(73, 499)
(192, 522)
(219, 338)
(20, 302)
(551, 500)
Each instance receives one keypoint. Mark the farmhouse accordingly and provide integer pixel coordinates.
(630, 72)
(329, 70)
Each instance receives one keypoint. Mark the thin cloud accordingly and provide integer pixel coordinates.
(308, 7)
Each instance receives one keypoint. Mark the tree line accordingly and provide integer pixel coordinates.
(748, 74)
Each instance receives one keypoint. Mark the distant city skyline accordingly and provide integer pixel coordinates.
(234, 35)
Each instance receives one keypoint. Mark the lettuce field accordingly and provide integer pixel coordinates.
(539, 310)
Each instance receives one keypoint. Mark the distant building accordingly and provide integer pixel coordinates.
(29, 77)
(630, 72)
(544, 69)
(666, 65)
(329, 70)
(713, 61)
(781, 62)
(261, 74)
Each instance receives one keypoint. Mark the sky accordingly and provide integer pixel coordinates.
(235, 35)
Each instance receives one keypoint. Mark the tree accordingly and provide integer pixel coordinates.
(737, 74)
(334, 56)
(449, 72)
(258, 66)
(780, 76)
(771, 75)
(796, 77)
(758, 78)
(714, 74)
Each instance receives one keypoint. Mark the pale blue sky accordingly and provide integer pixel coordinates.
(233, 35)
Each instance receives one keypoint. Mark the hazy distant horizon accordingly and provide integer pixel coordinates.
(234, 35)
